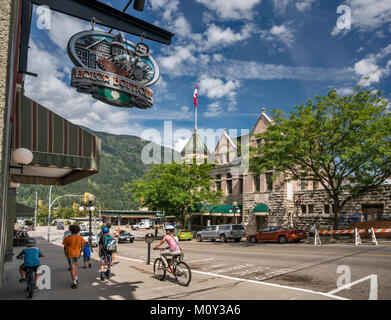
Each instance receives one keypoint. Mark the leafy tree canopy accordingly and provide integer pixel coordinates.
(174, 188)
(343, 142)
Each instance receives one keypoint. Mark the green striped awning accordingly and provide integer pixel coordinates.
(55, 143)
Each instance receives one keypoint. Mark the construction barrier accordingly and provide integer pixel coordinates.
(356, 232)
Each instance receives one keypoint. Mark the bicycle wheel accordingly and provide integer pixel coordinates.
(30, 284)
(158, 269)
(182, 273)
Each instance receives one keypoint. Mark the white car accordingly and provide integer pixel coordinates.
(94, 238)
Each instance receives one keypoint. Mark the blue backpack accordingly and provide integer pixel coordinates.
(109, 244)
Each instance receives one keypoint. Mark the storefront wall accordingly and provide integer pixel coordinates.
(8, 17)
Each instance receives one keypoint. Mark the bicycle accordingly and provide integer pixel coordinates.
(30, 281)
(179, 268)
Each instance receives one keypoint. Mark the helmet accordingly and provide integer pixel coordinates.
(169, 227)
(105, 230)
(31, 242)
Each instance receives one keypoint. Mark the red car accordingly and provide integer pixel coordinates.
(277, 234)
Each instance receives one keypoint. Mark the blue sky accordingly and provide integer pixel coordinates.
(244, 55)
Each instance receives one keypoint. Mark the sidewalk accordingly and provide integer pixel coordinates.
(132, 280)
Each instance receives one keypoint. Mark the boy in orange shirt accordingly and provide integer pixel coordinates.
(73, 247)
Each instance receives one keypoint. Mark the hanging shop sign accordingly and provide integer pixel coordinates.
(115, 71)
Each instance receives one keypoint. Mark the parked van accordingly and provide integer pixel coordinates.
(223, 232)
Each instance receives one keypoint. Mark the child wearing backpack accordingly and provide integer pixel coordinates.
(107, 245)
(86, 255)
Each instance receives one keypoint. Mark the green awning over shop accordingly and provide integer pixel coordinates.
(261, 208)
(223, 209)
(228, 208)
(63, 152)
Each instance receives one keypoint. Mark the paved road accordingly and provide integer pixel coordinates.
(301, 266)
(296, 265)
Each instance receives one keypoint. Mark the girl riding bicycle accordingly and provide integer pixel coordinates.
(173, 246)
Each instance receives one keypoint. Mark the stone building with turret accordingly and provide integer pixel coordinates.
(263, 201)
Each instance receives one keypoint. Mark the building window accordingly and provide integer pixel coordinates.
(303, 184)
(241, 185)
(310, 208)
(326, 209)
(269, 181)
(303, 209)
(218, 182)
(259, 143)
(229, 186)
(227, 157)
(257, 183)
(315, 184)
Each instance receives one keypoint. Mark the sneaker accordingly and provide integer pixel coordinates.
(74, 286)
(107, 273)
(22, 280)
(102, 276)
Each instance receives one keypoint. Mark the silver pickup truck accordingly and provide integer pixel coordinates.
(222, 232)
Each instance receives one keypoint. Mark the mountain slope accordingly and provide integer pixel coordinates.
(120, 163)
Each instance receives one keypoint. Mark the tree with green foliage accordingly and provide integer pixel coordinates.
(175, 188)
(343, 142)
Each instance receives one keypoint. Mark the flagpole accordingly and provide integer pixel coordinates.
(195, 123)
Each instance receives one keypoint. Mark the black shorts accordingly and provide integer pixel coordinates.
(24, 268)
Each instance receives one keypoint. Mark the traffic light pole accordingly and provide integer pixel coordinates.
(51, 205)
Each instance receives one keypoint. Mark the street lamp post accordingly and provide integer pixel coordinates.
(88, 204)
(236, 210)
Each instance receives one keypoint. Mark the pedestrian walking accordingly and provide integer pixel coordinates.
(107, 245)
(73, 247)
(86, 255)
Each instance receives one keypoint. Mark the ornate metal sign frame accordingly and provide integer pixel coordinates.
(115, 71)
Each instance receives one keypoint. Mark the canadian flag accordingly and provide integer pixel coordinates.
(195, 96)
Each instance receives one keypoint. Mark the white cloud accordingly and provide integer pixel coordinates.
(281, 5)
(215, 109)
(367, 15)
(178, 57)
(280, 33)
(232, 9)
(304, 5)
(370, 71)
(345, 91)
(217, 36)
(168, 8)
(216, 88)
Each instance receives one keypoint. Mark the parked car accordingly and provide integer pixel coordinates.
(125, 236)
(66, 234)
(60, 226)
(277, 234)
(223, 232)
(184, 235)
(94, 238)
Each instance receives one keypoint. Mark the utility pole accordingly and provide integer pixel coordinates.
(35, 212)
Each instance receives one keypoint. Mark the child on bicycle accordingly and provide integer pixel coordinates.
(173, 246)
(31, 257)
